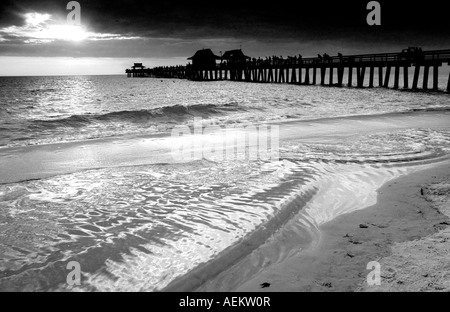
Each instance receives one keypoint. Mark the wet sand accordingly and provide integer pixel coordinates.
(406, 231)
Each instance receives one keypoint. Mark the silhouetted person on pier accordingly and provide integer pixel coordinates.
(415, 53)
(419, 54)
(320, 58)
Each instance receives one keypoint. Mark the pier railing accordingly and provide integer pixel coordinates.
(437, 55)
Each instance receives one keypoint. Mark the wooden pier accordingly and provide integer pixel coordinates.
(321, 70)
(137, 70)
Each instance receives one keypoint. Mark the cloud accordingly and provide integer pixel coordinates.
(41, 28)
(35, 19)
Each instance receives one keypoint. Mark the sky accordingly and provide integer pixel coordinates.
(36, 39)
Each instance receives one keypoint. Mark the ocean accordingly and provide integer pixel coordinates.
(85, 176)
(39, 110)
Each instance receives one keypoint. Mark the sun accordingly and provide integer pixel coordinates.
(63, 32)
(44, 27)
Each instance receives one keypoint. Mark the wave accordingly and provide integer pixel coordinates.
(42, 90)
(431, 109)
(175, 112)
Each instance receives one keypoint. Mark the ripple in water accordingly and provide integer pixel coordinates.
(141, 228)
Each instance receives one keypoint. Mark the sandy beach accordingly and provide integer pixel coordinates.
(406, 231)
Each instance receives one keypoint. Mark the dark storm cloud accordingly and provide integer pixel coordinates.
(171, 28)
(247, 19)
(263, 19)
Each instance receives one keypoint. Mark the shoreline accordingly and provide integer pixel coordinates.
(349, 242)
(47, 160)
(164, 134)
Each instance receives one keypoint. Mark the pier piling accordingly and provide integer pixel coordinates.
(425, 77)
(340, 75)
(294, 75)
(405, 77)
(448, 83)
(360, 76)
(307, 75)
(396, 76)
(380, 76)
(322, 75)
(350, 76)
(371, 74)
(435, 77)
(416, 77)
(331, 76)
(387, 77)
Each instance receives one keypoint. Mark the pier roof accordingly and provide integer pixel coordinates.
(204, 54)
(137, 65)
(233, 55)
